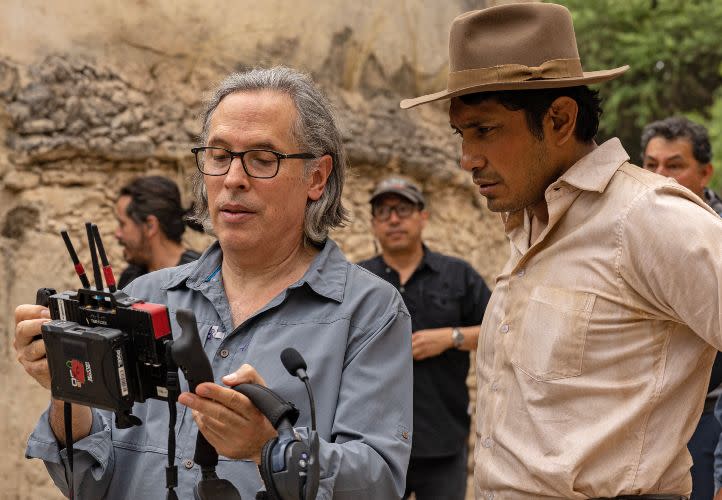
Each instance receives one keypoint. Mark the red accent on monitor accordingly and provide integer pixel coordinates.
(159, 316)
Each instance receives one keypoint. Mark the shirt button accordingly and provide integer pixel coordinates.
(494, 387)
(521, 273)
(504, 328)
(224, 353)
(487, 443)
(388, 269)
(402, 289)
(188, 464)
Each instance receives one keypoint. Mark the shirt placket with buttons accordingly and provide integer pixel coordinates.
(413, 289)
(225, 356)
(508, 305)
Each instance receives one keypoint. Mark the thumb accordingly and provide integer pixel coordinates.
(246, 374)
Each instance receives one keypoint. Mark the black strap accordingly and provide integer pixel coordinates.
(173, 386)
(171, 471)
(205, 454)
(68, 417)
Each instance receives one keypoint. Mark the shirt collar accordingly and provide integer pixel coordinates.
(430, 259)
(326, 275)
(202, 270)
(592, 172)
(713, 200)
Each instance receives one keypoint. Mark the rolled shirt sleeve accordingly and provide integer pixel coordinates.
(93, 462)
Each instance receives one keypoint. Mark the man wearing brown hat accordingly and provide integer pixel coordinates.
(596, 349)
(446, 299)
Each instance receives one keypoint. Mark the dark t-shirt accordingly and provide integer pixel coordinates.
(442, 292)
(132, 271)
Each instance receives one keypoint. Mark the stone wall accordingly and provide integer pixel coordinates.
(94, 93)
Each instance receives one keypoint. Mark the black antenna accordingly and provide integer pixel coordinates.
(76, 262)
(94, 257)
(107, 270)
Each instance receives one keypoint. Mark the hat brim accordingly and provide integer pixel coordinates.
(588, 78)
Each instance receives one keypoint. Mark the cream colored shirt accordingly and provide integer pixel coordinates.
(594, 355)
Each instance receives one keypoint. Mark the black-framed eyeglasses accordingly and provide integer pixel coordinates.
(258, 163)
(403, 210)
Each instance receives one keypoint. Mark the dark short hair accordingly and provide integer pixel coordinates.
(158, 196)
(679, 127)
(536, 102)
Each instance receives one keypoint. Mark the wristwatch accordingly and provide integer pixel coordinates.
(457, 338)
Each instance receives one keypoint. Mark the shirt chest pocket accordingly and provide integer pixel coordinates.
(553, 334)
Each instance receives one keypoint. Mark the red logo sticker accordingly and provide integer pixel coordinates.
(78, 370)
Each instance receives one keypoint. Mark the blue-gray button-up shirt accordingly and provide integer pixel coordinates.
(355, 334)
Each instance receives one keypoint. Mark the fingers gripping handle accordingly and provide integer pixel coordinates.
(269, 403)
(188, 351)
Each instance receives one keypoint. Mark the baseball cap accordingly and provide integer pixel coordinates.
(399, 186)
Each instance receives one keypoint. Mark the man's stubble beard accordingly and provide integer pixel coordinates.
(530, 197)
(141, 254)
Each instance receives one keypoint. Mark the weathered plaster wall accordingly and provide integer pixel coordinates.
(93, 93)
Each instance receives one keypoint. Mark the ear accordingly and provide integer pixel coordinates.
(561, 120)
(707, 171)
(151, 226)
(424, 218)
(319, 177)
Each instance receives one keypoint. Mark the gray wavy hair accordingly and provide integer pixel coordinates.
(315, 130)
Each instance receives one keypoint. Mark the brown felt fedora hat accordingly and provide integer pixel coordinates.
(514, 47)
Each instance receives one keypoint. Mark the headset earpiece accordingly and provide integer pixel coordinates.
(265, 468)
(285, 460)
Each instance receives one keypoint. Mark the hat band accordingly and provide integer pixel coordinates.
(509, 73)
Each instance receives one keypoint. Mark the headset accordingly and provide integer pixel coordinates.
(289, 466)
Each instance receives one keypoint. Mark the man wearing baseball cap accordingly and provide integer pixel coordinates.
(446, 299)
(596, 349)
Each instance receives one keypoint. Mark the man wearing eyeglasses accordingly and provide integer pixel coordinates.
(270, 175)
(446, 298)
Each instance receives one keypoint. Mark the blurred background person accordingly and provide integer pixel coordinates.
(151, 223)
(679, 148)
(446, 298)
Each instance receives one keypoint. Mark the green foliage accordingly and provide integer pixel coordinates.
(714, 126)
(674, 51)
